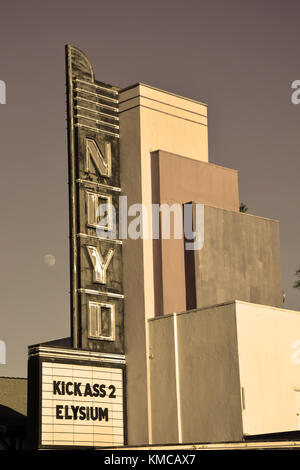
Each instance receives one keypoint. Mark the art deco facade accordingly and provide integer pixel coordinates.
(167, 345)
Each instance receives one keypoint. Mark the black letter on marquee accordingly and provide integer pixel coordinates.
(58, 412)
(67, 416)
(88, 390)
(112, 393)
(96, 390)
(82, 413)
(102, 391)
(56, 389)
(77, 390)
(68, 391)
(103, 414)
(75, 411)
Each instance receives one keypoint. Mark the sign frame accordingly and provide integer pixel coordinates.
(41, 354)
(94, 169)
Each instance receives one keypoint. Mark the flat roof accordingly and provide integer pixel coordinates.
(162, 91)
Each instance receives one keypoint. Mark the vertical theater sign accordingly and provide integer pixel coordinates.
(79, 382)
(94, 179)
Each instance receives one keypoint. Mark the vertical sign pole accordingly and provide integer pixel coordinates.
(72, 202)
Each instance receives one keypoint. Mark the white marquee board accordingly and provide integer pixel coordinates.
(81, 405)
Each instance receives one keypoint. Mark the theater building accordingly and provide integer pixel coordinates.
(176, 339)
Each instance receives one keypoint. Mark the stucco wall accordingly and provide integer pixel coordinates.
(224, 372)
(269, 367)
(149, 119)
(240, 259)
(177, 180)
(163, 381)
(203, 345)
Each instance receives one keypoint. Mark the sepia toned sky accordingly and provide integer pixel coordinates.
(239, 56)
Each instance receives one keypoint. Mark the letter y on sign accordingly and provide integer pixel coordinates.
(100, 265)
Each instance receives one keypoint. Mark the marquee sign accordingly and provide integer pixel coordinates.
(82, 405)
(75, 398)
(94, 180)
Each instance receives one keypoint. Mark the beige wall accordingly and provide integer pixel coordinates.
(133, 281)
(268, 374)
(150, 119)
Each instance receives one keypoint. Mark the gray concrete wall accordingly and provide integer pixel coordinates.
(163, 381)
(206, 373)
(240, 260)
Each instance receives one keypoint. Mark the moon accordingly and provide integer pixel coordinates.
(49, 260)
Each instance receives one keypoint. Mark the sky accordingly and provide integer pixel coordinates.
(239, 57)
